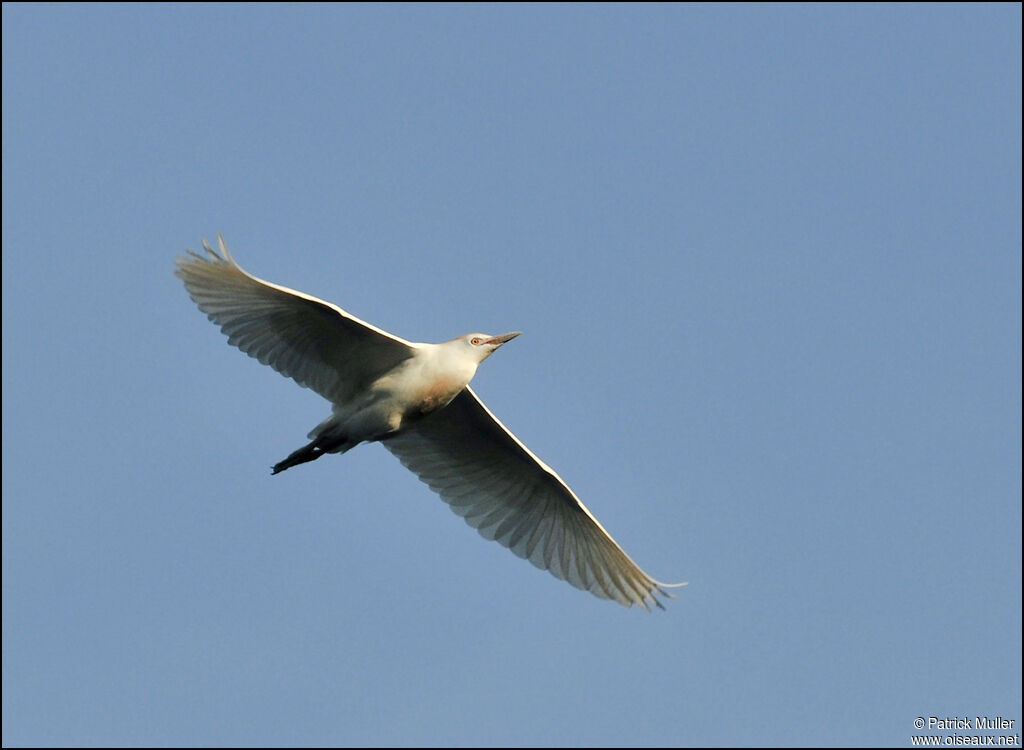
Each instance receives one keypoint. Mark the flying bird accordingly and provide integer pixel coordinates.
(415, 400)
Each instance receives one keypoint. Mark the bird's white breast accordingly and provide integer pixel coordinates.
(427, 381)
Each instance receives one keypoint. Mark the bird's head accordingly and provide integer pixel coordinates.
(483, 345)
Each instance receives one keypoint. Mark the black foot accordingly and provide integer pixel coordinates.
(302, 455)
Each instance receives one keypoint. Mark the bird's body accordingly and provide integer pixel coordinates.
(426, 381)
(415, 399)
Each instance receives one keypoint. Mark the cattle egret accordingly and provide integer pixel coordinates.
(415, 400)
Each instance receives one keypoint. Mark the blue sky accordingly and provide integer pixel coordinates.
(767, 264)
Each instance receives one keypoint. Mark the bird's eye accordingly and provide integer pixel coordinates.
(476, 341)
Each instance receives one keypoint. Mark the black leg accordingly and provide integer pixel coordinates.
(304, 454)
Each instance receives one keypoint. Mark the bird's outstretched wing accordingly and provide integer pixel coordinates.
(317, 344)
(508, 494)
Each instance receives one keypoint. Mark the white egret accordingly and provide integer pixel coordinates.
(415, 400)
